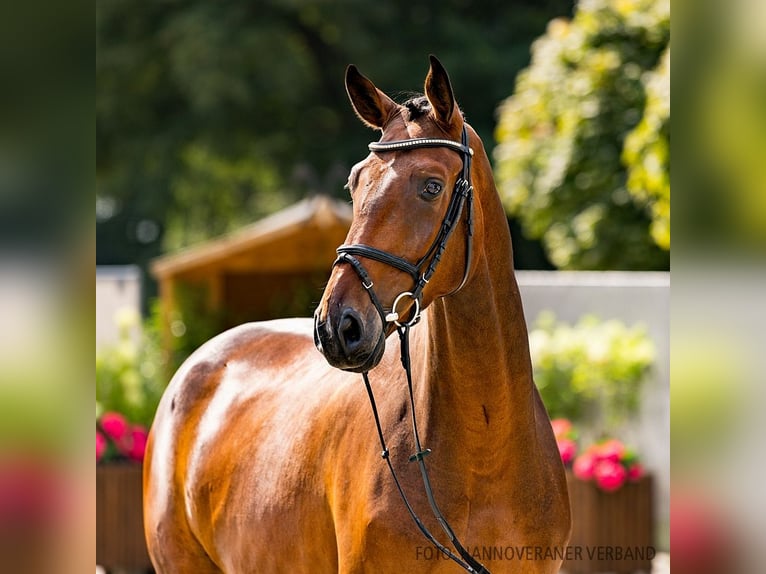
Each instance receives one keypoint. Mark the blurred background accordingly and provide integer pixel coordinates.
(224, 135)
(211, 117)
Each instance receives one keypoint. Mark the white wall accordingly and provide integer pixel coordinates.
(118, 288)
(632, 297)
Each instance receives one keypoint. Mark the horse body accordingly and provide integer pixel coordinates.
(263, 457)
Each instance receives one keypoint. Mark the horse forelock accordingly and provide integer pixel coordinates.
(416, 107)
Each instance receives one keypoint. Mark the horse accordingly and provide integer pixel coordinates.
(263, 454)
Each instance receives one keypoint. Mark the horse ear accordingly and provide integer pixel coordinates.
(372, 106)
(439, 92)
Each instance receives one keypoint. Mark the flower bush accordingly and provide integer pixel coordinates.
(130, 375)
(591, 371)
(119, 440)
(582, 157)
(608, 463)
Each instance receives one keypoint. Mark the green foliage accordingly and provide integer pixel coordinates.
(647, 153)
(590, 371)
(130, 375)
(220, 194)
(191, 323)
(209, 114)
(709, 393)
(561, 135)
(36, 416)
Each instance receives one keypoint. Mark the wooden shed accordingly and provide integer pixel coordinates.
(275, 267)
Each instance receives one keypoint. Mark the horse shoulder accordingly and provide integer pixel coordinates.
(241, 434)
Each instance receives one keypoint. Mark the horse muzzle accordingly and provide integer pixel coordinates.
(349, 340)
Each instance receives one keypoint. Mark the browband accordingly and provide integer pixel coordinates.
(419, 142)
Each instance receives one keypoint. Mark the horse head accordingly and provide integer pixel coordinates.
(408, 195)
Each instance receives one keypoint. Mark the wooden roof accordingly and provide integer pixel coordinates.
(301, 237)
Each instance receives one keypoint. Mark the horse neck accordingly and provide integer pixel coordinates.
(474, 355)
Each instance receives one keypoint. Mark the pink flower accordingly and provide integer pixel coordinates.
(635, 471)
(561, 427)
(100, 446)
(703, 539)
(567, 450)
(33, 492)
(612, 450)
(137, 445)
(584, 465)
(609, 475)
(115, 426)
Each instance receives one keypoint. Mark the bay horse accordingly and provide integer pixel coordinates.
(263, 455)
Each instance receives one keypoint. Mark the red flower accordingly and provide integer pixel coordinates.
(635, 471)
(584, 465)
(561, 427)
(609, 475)
(567, 450)
(610, 463)
(115, 426)
(612, 450)
(101, 445)
(701, 533)
(33, 491)
(135, 450)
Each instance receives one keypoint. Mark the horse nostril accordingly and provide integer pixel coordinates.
(349, 330)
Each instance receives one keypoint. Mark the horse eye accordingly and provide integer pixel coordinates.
(432, 188)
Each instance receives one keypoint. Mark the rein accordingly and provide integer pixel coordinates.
(462, 198)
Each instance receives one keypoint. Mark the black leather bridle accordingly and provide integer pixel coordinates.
(421, 272)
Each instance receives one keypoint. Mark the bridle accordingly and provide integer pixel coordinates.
(421, 272)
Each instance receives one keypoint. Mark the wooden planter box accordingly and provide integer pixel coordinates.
(120, 542)
(611, 531)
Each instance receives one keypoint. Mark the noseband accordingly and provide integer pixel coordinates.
(421, 273)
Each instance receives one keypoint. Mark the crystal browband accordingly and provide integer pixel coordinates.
(419, 142)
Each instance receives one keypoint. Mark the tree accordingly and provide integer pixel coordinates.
(582, 156)
(647, 153)
(212, 114)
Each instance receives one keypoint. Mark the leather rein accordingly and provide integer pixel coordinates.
(421, 272)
